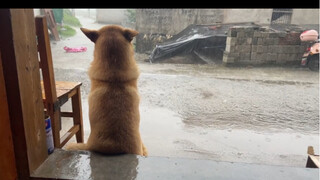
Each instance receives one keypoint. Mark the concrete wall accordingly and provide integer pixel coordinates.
(305, 16)
(172, 21)
(249, 45)
(263, 16)
(154, 21)
(182, 18)
(111, 16)
(157, 25)
(259, 16)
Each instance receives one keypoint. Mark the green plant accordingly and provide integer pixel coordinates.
(58, 15)
(131, 14)
(69, 19)
(66, 31)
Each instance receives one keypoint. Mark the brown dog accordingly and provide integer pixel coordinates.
(113, 100)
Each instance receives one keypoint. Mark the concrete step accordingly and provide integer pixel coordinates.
(89, 165)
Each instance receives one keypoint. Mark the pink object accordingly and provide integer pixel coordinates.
(315, 49)
(80, 49)
(310, 35)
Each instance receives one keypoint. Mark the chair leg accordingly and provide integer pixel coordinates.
(55, 123)
(77, 114)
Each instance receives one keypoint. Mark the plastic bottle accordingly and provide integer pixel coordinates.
(50, 145)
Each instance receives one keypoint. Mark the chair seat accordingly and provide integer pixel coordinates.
(64, 89)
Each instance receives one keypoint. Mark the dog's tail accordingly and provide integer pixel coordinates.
(77, 146)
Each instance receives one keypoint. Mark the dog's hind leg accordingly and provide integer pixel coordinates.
(144, 150)
(76, 146)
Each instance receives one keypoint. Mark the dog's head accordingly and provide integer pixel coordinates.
(113, 53)
(112, 42)
(110, 31)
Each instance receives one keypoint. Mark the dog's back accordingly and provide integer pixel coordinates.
(113, 99)
(114, 119)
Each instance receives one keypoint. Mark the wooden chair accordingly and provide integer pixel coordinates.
(57, 93)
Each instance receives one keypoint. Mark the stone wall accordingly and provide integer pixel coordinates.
(172, 21)
(257, 45)
(157, 25)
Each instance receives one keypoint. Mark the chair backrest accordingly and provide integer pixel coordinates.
(46, 63)
(49, 84)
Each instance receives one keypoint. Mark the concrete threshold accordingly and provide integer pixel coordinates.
(89, 165)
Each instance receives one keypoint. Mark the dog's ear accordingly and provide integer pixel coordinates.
(130, 34)
(91, 34)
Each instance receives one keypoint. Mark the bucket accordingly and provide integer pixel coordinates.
(50, 145)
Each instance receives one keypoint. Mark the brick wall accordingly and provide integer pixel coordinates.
(258, 45)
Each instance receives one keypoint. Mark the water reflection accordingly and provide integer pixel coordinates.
(113, 167)
(80, 166)
(87, 165)
(169, 134)
(91, 166)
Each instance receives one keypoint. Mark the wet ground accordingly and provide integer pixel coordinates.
(87, 165)
(266, 115)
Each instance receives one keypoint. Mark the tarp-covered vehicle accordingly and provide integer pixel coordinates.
(195, 44)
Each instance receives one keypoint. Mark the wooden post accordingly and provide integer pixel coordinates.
(7, 163)
(22, 81)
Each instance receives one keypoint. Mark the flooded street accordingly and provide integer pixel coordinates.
(204, 101)
(254, 121)
(265, 115)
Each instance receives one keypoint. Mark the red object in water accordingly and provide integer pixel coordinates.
(80, 49)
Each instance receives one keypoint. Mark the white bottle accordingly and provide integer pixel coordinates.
(50, 145)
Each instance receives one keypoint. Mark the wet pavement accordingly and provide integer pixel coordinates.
(264, 115)
(87, 165)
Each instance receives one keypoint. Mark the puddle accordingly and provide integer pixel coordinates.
(220, 103)
(165, 134)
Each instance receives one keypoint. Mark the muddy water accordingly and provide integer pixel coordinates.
(218, 103)
(225, 119)
(165, 134)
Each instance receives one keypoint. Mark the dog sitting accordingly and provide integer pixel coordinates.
(113, 99)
